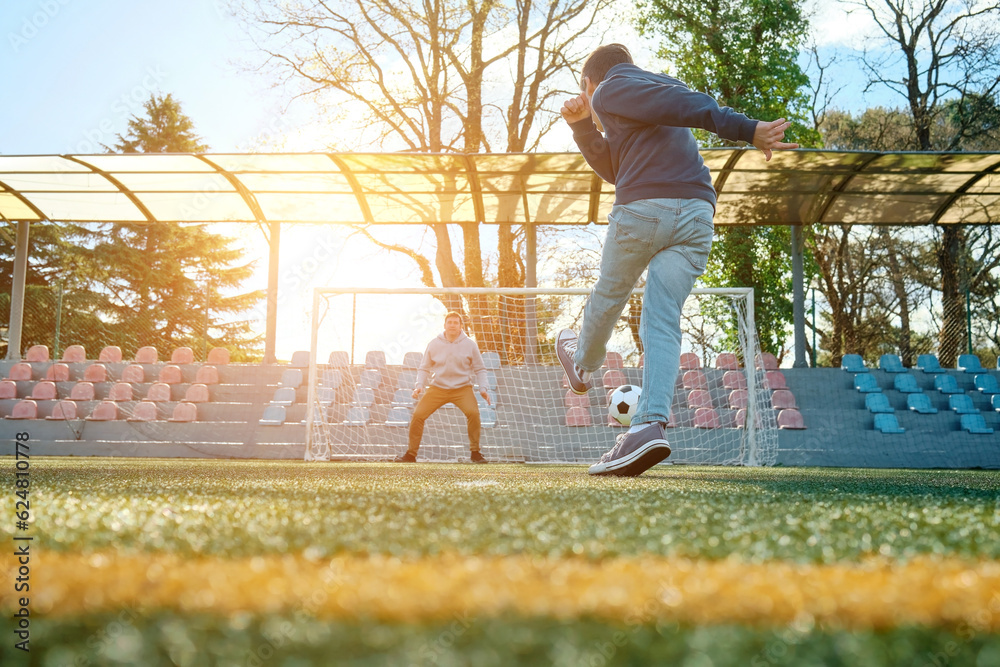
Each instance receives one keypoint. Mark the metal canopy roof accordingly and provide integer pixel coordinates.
(795, 187)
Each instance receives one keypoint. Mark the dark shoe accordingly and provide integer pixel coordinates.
(579, 379)
(405, 458)
(477, 457)
(634, 453)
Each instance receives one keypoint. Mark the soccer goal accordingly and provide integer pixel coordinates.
(367, 343)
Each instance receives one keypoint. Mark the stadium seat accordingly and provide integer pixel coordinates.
(325, 396)
(970, 363)
(274, 415)
(727, 361)
(491, 380)
(642, 360)
(920, 403)
(887, 423)
(572, 399)
(82, 391)
(987, 384)
(144, 411)
(196, 393)
(217, 356)
(207, 375)
(699, 398)
(775, 380)
(738, 398)
(75, 354)
(741, 418)
(398, 416)
(96, 372)
(613, 378)
(44, 391)
(577, 416)
(120, 391)
(975, 424)
(694, 379)
(791, 419)
(20, 372)
(411, 360)
(962, 404)
(617, 424)
(134, 373)
(891, 363)
(375, 359)
(300, 359)
(171, 374)
(946, 384)
(853, 363)
(614, 360)
(782, 399)
(487, 417)
(734, 380)
(339, 359)
(707, 418)
(363, 397)
(482, 401)
(284, 396)
(491, 360)
(403, 398)
(995, 402)
(767, 361)
(26, 409)
(358, 416)
(37, 354)
(57, 373)
(690, 361)
(371, 377)
(147, 355)
(182, 356)
(8, 389)
(906, 383)
(877, 403)
(62, 411)
(291, 377)
(184, 412)
(110, 354)
(105, 411)
(928, 363)
(406, 380)
(998, 363)
(866, 384)
(331, 378)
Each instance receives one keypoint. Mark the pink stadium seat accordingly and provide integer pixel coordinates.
(707, 418)
(104, 411)
(734, 380)
(120, 391)
(218, 356)
(158, 392)
(82, 391)
(147, 355)
(63, 410)
(767, 361)
(207, 375)
(171, 374)
(37, 353)
(613, 360)
(182, 355)
(738, 398)
(776, 380)
(95, 373)
(727, 361)
(613, 379)
(43, 391)
(57, 373)
(695, 379)
(20, 372)
(111, 354)
(571, 400)
(8, 389)
(782, 399)
(26, 409)
(699, 398)
(75, 354)
(185, 412)
(578, 416)
(690, 361)
(741, 418)
(134, 374)
(614, 422)
(642, 360)
(197, 393)
(145, 411)
(790, 419)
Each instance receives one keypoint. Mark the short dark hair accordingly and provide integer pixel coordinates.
(604, 58)
(451, 313)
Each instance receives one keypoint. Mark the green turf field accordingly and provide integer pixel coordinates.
(159, 562)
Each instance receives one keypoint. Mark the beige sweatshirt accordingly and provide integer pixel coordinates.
(453, 364)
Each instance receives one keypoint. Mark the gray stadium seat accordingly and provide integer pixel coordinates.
(291, 377)
(283, 396)
(274, 415)
(928, 363)
(358, 416)
(491, 360)
(375, 359)
(300, 359)
(487, 417)
(325, 396)
(371, 377)
(887, 423)
(877, 403)
(339, 359)
(403, 398)
(398, 416)
(331, 378)
(412, 360)
(920, 403)
(363, 397)
(407, 379)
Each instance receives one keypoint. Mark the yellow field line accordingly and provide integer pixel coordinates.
(874, 594)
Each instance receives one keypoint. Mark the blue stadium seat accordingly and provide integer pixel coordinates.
(300, 359)
(887, 423)
(877, 403)
(403, 398)
(398, 416)
(962, 404)
(291, 377)
(906, 384)
(363, 397)
(492, 360)
(283, 396)
(339, 359)
(946, 384)
(996, 402)
(920, 403)
(411, 360)
(928, 363)
(866, 384)
(987, 384)
(274, 415)
(975, 424)
(853, 363)
(970, 363)
(358, 416)
(890, 363)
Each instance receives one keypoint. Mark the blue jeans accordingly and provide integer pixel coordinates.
(673, 238)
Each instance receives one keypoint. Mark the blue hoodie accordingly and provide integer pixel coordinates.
(648, 150)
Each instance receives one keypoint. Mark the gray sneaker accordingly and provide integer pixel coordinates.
(634, 453)
(579, 379)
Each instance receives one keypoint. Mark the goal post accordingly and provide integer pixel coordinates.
(365, 345)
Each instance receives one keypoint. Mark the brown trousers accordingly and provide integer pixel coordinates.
(433, 398)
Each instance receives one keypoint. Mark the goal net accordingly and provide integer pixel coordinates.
(367, 344)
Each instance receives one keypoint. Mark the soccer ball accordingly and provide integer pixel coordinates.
(623, 403)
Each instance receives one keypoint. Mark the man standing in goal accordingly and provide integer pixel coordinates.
(453, 359)
(661, 219)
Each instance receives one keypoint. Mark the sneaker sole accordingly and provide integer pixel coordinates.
(636, 463)
(569, 366)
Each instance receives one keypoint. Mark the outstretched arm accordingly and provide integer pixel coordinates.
(769, 136)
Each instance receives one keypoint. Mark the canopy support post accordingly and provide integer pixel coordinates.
(17, 290)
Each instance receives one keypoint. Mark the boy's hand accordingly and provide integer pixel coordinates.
(768, 137)
(576, 109)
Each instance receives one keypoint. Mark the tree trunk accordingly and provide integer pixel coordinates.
(899, 288)
(953, 315)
